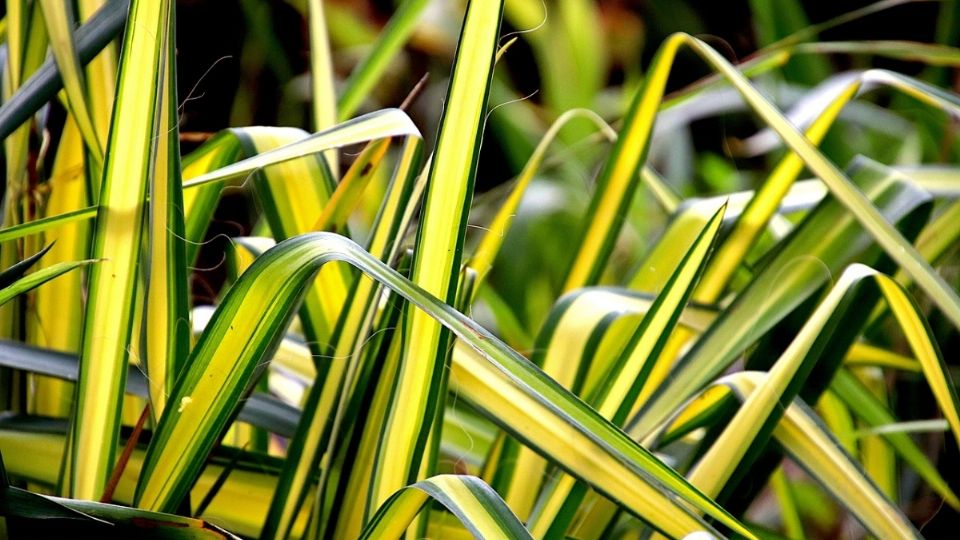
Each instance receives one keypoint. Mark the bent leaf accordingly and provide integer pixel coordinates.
(478, 508)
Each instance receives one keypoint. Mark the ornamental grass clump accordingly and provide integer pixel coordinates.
(599, 348)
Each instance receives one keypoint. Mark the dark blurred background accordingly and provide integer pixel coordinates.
(243, 62)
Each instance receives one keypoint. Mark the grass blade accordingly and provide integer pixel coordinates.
(475, 504)
(15, 272)
(371, 68)
(38, 278)
(117, 236)
(324, 103)
(59, 19)
(879, 459)
(131, 521)
(321, 70)
(166, 329)
(101, 72)
(376, 125)
(260, 409)
(437, 257)
(45, 224)
(485, 254)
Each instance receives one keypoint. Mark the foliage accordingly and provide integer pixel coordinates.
(390, 351)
